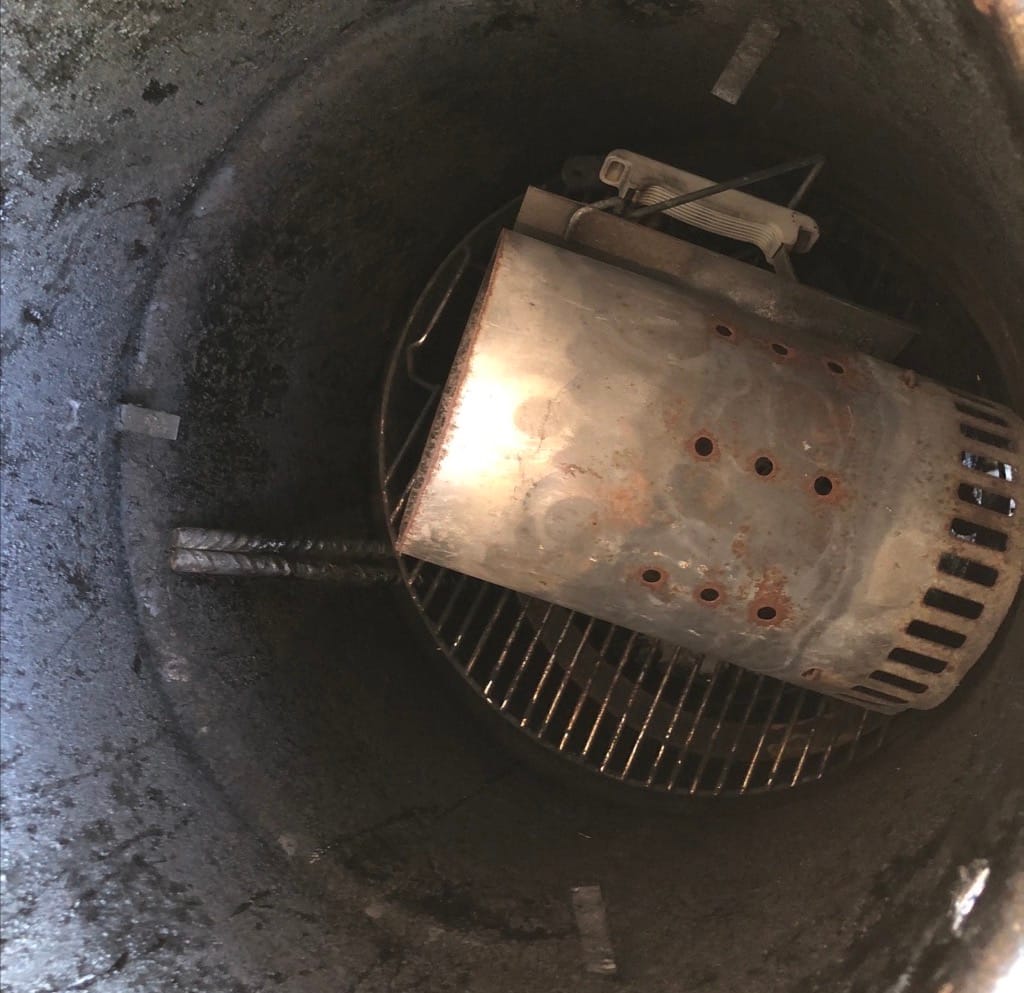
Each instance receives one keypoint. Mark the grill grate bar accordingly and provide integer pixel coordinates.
(586, 690)
(514, 685)
(822, 709)
(651, 652)
(709, 750)
(683, 697)
(549, 666)
(470, 615)
(764, 734)
(685, 750)
(499, 665)
(488, 630)
(655, 700)
(623, 659)
(567, 676)
(784, 744)
(740, 730)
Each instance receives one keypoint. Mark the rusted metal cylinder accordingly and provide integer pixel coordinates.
(681, 466)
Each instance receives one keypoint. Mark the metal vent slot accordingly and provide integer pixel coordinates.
(881, 676)
(988, 465)
(986, 437)
(978, 534)
(953, 604)
(968, 570)
(879, 695)
(981, 415)
(916, 660)
(936, 634)
(996, 502)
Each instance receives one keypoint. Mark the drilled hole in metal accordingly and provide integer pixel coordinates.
(779, 349)
(978, 534)
(823, 486)
(709, 594)
(953, 604)
(703, 447)
(724, 330)
(767, 613)
(764, 466)
(652, 576)
(835, 367)
(981, 415)
(934, 633)
(968, 569)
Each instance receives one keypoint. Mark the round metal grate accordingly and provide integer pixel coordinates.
(628, 707)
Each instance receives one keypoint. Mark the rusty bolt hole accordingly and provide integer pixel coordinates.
(767, 613)
(835, 367)
(764, 466)
(652, 576)
(724, 330)
(709, 594)
(704, 446)
(779, 349)
(823, 486)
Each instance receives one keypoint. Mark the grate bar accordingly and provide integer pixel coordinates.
(552, 655)
(690, 680)
(521, 668)
(498, 666)
(468, 618)
(642, 734)
(685, 750)
(741, 728)
(822, 709)
(706, 757)
(567, 676)
(784, 744)
(629, 705)
(623, 659)
(764, 734)
(488, 630)
(586, 689)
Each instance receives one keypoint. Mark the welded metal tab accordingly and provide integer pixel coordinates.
(657, 459)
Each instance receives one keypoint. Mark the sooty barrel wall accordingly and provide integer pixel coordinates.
(225, 212)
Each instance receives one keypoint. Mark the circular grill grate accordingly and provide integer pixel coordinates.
(629, 707)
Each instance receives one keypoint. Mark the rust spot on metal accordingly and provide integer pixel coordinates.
(574, 470)
(739, 543)
(771, 605)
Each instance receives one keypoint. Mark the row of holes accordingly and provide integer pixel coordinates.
(956, 565)
(708, 595)
(763, 465)
(782, 350)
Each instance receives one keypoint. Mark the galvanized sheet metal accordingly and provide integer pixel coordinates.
(654, 458)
